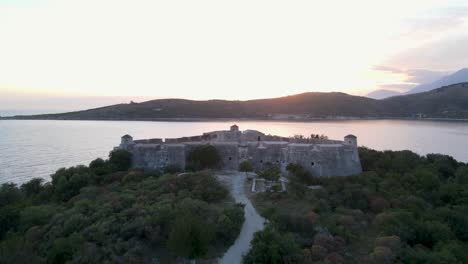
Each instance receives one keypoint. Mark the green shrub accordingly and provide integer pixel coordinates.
(120, 160)
(271, 246)
(100, 166)
(229, 223)
(203, 157)
(271, 173)
(35, 215)
(300, 174)
(246, 166)
(173, 168)
(32, 187)
(189, 237)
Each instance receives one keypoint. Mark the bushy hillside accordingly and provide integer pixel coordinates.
(449, 102)
(105, 213)
(404, 208)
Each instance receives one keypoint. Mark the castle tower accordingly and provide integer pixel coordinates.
(350, 140)
(234, 127)
(125, 141)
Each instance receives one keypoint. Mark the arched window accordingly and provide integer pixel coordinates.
(312, 163)
(230, 158)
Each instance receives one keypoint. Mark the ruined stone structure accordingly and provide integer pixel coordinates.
(322, 157)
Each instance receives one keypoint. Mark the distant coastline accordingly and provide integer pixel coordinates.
(227, 119)
(449, 103)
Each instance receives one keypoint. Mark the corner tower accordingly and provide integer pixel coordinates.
(350, 140)
(125, 141)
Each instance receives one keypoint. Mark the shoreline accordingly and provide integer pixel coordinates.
(295, 120)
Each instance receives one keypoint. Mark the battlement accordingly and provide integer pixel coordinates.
(321, 156)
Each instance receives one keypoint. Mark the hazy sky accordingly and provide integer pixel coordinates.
(238, 49)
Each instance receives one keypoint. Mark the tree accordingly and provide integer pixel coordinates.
(246, 166)
(270, 246)
(100, 166)
(189, 237)
(120, 160)
(461, 175)
(9, 193)
(32, 187)
(203, 157)
(301, 174)
(35, 215)
(271, 173)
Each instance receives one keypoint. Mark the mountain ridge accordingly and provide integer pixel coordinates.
(459, 76)
(445, 102)
(454, 78)
(382, 94)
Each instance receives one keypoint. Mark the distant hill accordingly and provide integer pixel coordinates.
(382, 94)
(445, 102)
(457, 77)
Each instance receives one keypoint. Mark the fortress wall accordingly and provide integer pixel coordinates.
(149, 141)
(252, 136)
(226, 136)
(326, 160)
(176, 155)
(229, 155)
(329, 158)
(145, 156)
(266, 153)
(156, 157)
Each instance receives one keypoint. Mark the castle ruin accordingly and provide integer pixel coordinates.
(321, 157)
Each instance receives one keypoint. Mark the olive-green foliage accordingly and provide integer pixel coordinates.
(173, 168)
(100, 166)
(271, 246)
(189, 237)
(302, 175)
(230, 223)
(120, 160)
(203, 157)
(246, 166)
(421, 200)
(270, 172)
(85, 216)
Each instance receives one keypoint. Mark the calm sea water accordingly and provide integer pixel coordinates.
(38, 148)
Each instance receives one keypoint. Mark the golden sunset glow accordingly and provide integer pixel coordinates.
(223, 49)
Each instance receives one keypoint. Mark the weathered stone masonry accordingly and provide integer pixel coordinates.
(321, 157)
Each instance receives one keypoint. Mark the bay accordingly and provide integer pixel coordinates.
(37, 148)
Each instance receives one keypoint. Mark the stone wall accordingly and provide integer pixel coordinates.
(321, 158)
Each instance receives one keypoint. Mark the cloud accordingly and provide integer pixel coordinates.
(399, 87)
(412, 77)
(447, 54)
(433, 25)
(387, 69)
(425, 76)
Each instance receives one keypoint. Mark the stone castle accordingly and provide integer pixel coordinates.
(322, 157)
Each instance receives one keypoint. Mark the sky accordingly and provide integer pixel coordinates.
(60, 55)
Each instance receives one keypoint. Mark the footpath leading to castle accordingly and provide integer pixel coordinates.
(235, 181)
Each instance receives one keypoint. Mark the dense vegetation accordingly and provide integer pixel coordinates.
(203, 157)
(445, 102)
(106, 213)
(404, 208)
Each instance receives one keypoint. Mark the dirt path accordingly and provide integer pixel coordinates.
(253, 221)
